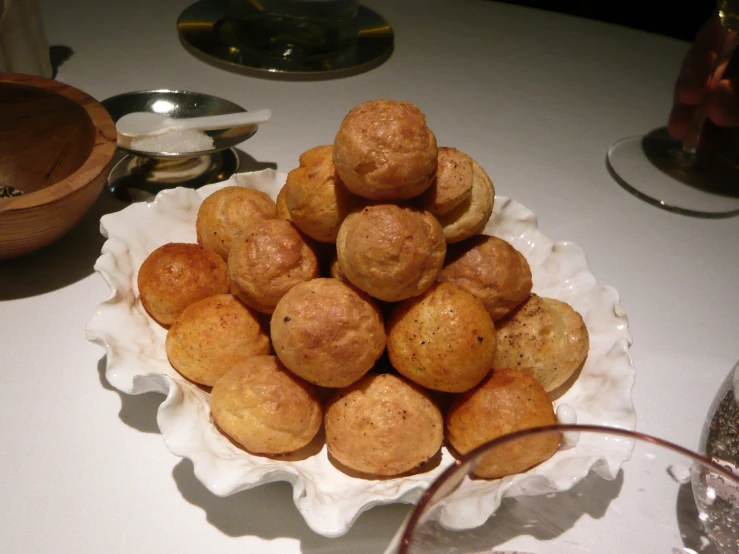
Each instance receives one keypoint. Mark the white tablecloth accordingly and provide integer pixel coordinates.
(536, 98)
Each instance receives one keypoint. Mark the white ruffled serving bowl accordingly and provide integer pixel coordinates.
(329, 500)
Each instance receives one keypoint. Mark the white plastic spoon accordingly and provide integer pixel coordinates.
(140, 124)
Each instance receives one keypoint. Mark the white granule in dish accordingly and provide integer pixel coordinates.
(174, 141)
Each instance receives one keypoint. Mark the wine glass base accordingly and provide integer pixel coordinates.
(647, 167)
(207, 32)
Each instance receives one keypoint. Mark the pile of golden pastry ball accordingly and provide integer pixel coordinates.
(366, 299)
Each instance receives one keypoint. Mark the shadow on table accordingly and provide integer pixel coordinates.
(248, 164)
(138, 411)
(543, 517)
(65, 261)
(268, 512)
(59, 54)
(73, 256)
(691, 531)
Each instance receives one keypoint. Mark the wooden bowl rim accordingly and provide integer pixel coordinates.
(99, 159)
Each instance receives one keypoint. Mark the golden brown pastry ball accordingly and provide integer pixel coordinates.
(443, 339)
(227, 212)
(507, 401)
(383, 425)
(267, 260)
(384, 151)
(265, 408)
(453, 183)
(315, 196)
(327, 332)
(177, 274)
(282, 211)
(545, 337)
(391, 252)
(335, 272)
(490, 268)
(470, 217)
(212, 335)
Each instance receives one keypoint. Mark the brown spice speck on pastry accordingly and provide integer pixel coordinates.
(443, 339)
(545, 337)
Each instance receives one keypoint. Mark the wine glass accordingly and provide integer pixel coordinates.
(685, 178)
(665, 499)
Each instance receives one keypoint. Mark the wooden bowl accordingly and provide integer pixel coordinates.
(56, 146)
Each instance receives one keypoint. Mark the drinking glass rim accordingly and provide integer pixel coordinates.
(466, 459)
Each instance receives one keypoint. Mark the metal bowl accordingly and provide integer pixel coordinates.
(179, 104)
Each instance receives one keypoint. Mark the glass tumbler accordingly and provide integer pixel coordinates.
(664, 499)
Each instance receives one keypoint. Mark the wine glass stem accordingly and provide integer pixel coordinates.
(727, 44)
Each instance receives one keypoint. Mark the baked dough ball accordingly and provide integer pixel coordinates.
(470, 217)
(507, 401)
(545, 337)
(265, 408)
(490, 268)
(335, 272)
(453, 183)
(327, 333)
(212, 335)
(267, 260)
(443, 339)
(383, 150)
(383, 425)
(391, 252)
(282, 211)
(177, 274)
(227, 212)
(315, 196)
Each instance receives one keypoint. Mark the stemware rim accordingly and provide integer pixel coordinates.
(466, 459)
(657, 202)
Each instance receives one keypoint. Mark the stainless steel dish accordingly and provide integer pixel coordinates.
(139, 175)
(178, 104)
